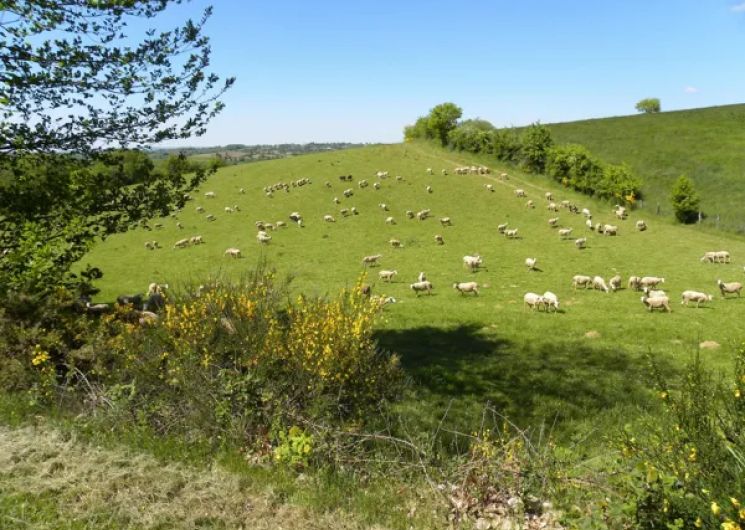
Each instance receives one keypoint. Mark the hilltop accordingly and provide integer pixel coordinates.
(706, 144)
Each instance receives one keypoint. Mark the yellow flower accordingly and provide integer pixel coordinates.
(734, 502)
(699, 523)
(737, 392)
(663, 395)
(715, 508)
(730, 525)
(41, 356)
(692, 455)
(742, 514)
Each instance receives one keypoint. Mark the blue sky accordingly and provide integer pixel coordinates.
(360, 70)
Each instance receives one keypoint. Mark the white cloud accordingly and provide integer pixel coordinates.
(738, 8)
(691, 90)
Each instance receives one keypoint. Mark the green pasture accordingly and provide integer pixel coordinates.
(584, 368)
(705, 144)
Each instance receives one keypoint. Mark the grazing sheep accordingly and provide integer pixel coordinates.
(390, 220)
(295, 216)
(329, 218)
(504, 176)
(429, 189)
(511, 233)
(520, 193)
(501, 228)
(196, 240)
(233, 252)
(243, 191)
(635, 283)
(599, 283)
(263, 238)
(588, 224)
(383, 206)
(530, 263)
(344, 212)
(599, 228)
(580, 243)
(409, 214)
(376, 185)
(387, 275)
(695, 296)
(439, 240)
(200, 209)
(472, 262)
(533, 301)
(281, 224)
(530, 204)
(422, 215)
(553, 222)
(651, 281)
(348, 192)
(228, 209)
(731, 287)
(552, 207)
(549, 196)
(336, 200)
(371, 260)
(565, 232)
(354, 211)
(429, 171)
(179, 225)
(660, 302)
(580, 280)
(421, 277)
(395, 243)
(489, 187)
(551, 300)
(653, 293)
(615, 283)
(467, 287)
(210, 195)
(418, 287)
(211, 217)
(641, 225)
(151, 245)
(181, 243)
(610, 230)
(445, 221)
(709, 257)
(268, 226)
(444, 172)
(362, 183)
(399, 178)
(722, 256)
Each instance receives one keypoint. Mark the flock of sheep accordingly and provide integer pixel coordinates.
(652, 298)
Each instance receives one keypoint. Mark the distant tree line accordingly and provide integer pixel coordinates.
(241, 153)
(532, 149)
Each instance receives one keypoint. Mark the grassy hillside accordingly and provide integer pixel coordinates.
(706, 144)
(581, 366)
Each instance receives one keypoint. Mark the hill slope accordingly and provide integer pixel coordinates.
(706, 144)
(532, 366)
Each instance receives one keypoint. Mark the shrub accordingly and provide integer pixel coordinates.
(574, 166)
(536, 141)
(505, 145)
(474, 136)
(648, 105)
(685, 200)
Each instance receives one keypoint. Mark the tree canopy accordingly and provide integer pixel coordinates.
(685, 200)
(648, 105)
(79, 83)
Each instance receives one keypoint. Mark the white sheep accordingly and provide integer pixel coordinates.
(179, 225)
(390, 220)
(199, 209)
(336, 200)
(722, 256)
(651, 281)
(641, 225)
(530, 204)
(395, 243)
(553, 222)
(409, 214)
(233, 252)
(520, 193)
(196, 240)
(660, 302)
(586, 213)
(599, 283)
(695, 296)
(533, 301)
(228, 209)
(421, 277)
(418, 287)
(211, 217)
(565, 232)
(445, 221)
(467, 287)
(615, 283)
(501, 228)
(329, 218)
(580, 280)
(344, 212)
(371, 260)
(731, 287)
(551, 300)
(181, 243)
(635, 283)
(354, 211)
(472, 262)
(281, 224)
(383, 206)
(376, 185)
(530, 263)
(439, 240)
(429, 189)
(489, 187)
(549, 196)
(387, 275)
(348, 192)
(429, 171)
(552, 207)
(210, 195)
(653, 293)
(610, 230)
(263, 238)
(580, 243)
(588, 224)
(510, 233)
(243, 191)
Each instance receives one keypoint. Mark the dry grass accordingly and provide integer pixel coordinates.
(135, 490)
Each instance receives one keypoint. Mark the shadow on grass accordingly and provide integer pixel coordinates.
(547, 382)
